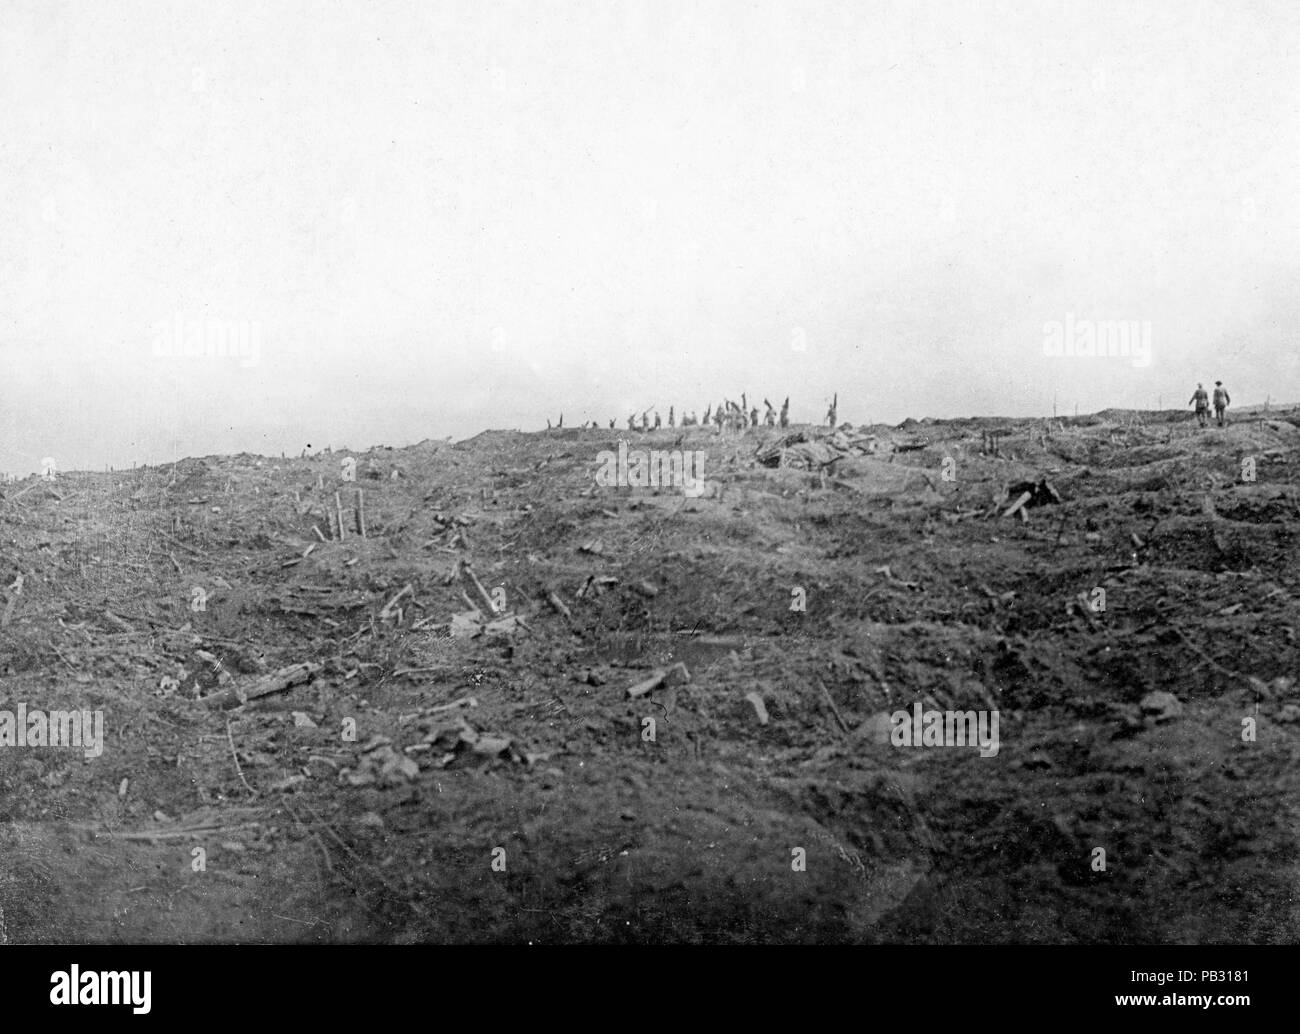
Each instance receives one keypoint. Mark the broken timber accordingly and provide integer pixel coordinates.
(1019, 504)
(264, 685)
(664, 677)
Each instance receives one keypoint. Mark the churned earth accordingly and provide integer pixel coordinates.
(299, 747)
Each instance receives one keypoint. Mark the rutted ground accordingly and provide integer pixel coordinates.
(914, 593)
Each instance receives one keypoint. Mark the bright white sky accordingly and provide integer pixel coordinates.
(449, 217)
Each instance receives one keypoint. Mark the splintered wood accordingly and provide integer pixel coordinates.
(673, 676)
(483, 593)
(559, 605)
(387, 613)
(1019, 505)
(264, 685)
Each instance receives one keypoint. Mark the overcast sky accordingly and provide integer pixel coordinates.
(436, 218)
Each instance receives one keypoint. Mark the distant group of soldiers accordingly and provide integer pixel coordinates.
(1201, 399)
(733, 416)
(727, 415)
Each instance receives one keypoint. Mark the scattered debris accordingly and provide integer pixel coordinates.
(483, 593)
(265, 685)
(889, 576)
(559, 605)
(386, 614)
(380, 765)
(1161, 706)
(675, 675)
(1019, 505)
(839, 718)
(105, 615)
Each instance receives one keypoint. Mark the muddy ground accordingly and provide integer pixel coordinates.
(368, 801)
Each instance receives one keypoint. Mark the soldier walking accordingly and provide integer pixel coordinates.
(1221, 401)
(1202, 401)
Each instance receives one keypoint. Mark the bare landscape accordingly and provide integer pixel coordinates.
(462, 691)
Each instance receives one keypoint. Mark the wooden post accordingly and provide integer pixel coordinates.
(361, 513)
(338, 510)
